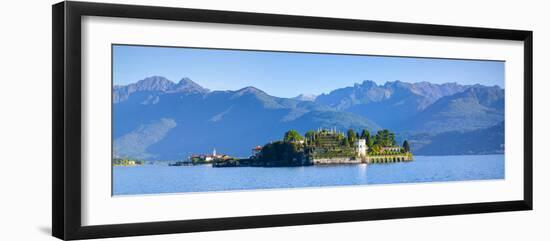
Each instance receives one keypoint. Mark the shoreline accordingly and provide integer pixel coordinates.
(166, 163)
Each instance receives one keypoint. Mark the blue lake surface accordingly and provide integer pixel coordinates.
(158, 178)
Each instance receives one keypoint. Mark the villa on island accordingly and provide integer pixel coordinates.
(323, 147)
(332, 147)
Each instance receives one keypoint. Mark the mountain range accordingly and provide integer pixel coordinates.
(482, 141)
(157, 119)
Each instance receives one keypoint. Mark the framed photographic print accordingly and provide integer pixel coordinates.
(170, 120)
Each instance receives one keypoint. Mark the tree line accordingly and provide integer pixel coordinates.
(382, 138)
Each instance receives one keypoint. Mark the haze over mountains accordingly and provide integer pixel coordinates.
(157, 119)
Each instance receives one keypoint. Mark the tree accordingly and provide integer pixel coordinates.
(392, 139)
(310, 136)
(365, 134)
(370, 141)
(406, 146)
(379, 138)
(351, 136)
(345, 142)
(384, 138)
(292, 136)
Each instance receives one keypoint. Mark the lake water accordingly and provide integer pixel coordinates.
(153, 179)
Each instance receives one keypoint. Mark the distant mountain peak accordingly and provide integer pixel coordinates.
(250, 90)
(395, 82)
(305, 97)
(153, 83)
(156, 84)
(185, 80)
(186, 84)
(366, 84)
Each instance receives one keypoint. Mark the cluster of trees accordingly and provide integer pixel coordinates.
(352, 136)
(385, 138)
(382, 138)
(282, 153)
(293, 136)
(126, 162)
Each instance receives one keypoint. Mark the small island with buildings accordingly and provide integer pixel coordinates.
(126, 162)
(320, 147)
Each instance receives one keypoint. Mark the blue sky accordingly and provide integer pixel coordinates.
(290, 74)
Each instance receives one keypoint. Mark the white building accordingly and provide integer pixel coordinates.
(361, 147)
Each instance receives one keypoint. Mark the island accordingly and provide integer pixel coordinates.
(324, 147)
(126, 162)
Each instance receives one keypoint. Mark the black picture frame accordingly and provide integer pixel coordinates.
(66, 158)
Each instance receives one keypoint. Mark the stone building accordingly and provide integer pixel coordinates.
(361, 147)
